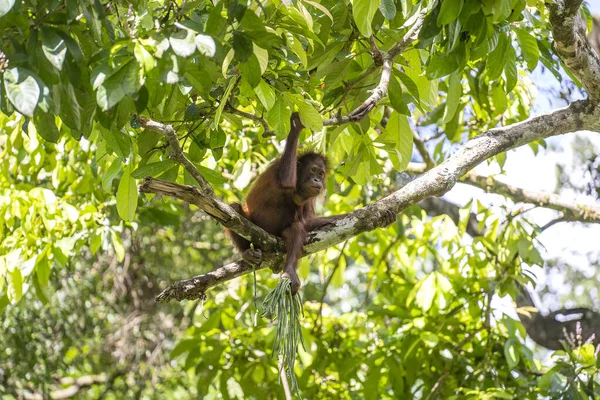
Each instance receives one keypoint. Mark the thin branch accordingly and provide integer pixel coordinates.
(327, 283)
(177, 152)
(284, 382)
(386, 59)
(572, 210)
(571, 44)
(435, 182)
(232, 110)
(552, 223)
(417, 22)
(420, 145)
(196, 287)
(376, 96)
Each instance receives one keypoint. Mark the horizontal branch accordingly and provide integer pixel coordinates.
(572, 210)
(196, 287)
(437, 181)
(220, 211)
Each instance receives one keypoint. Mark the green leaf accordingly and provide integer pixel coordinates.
(388, 9)
(70, 110)
(278, 118)
(529, 48)
(198, 77)
(144, 57)
(262, 56)
(212, 176)
(398, 139)
(22, 89)
(497, 58)
(45, 125)
(236, 10)
(217, 138)
(449, 11)
(118, 142)
(499, 99)
(425, 292)
(153, 169)
(309, 116)
(395, 96)
(441, 65)
(127, 195)
(223, 101)
(251, 71)
(337, 279)
(15, 285)
(5, 6)
(110, 174)
(117, 245)
(296, 46)
(265, 94)
(234, 389)
(125, 81)
(54, 47)
(510, 70)
(453, 98)
(42, 270)
(502, 10)
(242, 47)
(363, 12)
(511, 353)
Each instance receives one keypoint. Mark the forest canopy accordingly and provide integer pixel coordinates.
(127, 128)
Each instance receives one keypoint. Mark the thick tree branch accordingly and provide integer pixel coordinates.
(550, 332)
(220, 211)
(572, 211)
(571, 44)
(435, 182)
(204, 197)
(387, 61)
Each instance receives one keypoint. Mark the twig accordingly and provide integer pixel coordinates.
(177, 152)
(327, 283)
(420, 145)
(284, 381)
(386, 59)
(232, 110)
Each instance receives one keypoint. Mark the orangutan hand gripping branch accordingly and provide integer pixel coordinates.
(282, 202)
